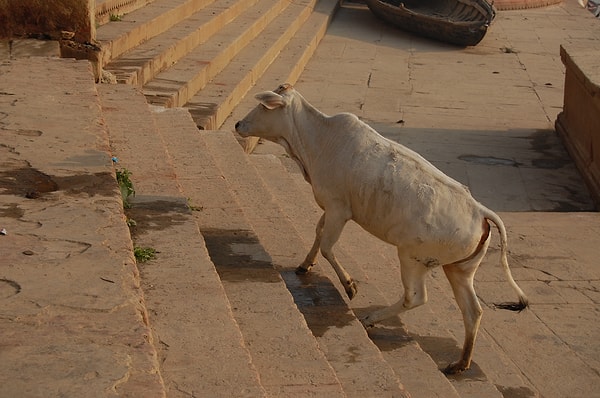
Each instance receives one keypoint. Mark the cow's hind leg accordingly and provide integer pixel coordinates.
(461, 279)
(413, 275)
(311, 257)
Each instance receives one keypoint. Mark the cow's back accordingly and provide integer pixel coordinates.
(392, 191)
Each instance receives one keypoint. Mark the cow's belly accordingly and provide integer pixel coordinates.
(422, 225)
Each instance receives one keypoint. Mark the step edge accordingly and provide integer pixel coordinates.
(113, 47)
(148, 235)
(227, 103)
(229, 145)
(180, 95)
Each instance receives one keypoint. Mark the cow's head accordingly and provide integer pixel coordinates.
(272, 119)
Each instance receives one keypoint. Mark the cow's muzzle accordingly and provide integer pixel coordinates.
(239, 128)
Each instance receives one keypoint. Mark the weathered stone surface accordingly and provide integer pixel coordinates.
(73, 316)
(48, 19)
(578, 122)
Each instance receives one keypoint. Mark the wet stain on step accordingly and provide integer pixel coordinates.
(516, 392)
(238, 256)
(26, 181)
(156, 213)
(19, 178)
(33, 184)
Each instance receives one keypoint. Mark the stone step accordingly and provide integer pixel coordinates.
(283, 350)
(279, 52)
(287, 67)
(142, 63)
(208, 58)
(200, 346)
(107, 10)
(74, 321)
(178, 84)
(118, 37)
(358, 363)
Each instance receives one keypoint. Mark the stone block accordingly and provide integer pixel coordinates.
(579, 122)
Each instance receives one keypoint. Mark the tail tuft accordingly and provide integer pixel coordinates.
(516, 307)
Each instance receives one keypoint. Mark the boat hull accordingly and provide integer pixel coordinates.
(460, 22)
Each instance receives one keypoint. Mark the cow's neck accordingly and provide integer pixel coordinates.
(304, 143)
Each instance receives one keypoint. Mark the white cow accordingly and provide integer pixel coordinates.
(393, 193)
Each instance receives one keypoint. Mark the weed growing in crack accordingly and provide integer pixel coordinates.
(143, 254)
(126, 186)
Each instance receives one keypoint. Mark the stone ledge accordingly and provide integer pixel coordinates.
(48, 19)
(579, 122)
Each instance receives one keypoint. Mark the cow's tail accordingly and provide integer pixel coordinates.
(523, 301)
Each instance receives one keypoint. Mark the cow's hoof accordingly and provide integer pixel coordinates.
(351, 289)
(455, 368)
(303, 269)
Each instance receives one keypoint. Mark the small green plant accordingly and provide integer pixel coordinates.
(192, 207)
(126, 186)
(143, 254)
(130, 222)
(116, 18)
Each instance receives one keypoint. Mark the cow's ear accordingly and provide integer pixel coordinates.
(270, 99)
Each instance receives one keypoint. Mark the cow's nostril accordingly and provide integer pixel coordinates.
(237, 125)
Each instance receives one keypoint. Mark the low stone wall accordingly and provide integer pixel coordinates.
(579, 122)
(48, 19)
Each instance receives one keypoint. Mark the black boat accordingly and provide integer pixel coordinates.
(460, 22)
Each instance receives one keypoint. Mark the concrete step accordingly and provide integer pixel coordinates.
(74, 321)
(118, 37)
(206, 55)
(114, 9)
(279, 52)
(200, 346)
(283, 350)
(358, 363)
(287, 67)
(176, 85)
(142, 63)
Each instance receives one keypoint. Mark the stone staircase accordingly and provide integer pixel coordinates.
(229, 316)
(206, 55)
(229, 230)
(220, 311)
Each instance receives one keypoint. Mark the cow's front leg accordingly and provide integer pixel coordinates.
(311, 257)
(333, 224)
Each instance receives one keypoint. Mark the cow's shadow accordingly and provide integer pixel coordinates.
(324, 308)
(392, 335)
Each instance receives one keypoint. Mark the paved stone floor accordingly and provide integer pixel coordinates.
(484, 115)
